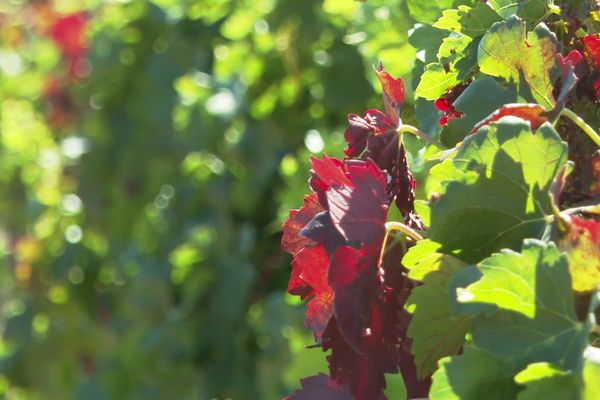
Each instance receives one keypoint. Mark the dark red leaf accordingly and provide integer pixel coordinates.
(367, 336)
(322, 230)
(360, 371)
(292, 241)
(572, 69)
(396, 290)
(574, 59)
(534, 113)
(356, 305)
(320, 387)
(405, 185)
(375, 122)
(353, 276)
(374, 138)
(358, 207)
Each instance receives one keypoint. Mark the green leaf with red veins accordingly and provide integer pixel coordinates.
(582, 245)
(529, 59)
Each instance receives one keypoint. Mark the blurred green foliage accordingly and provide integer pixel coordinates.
(143, 183)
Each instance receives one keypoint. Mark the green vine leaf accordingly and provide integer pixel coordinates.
(473, 22)
(591, 377)
(453, 48)
(508, 51)
(436, 333)
(529, 10)
(474, 375)
(427, 11)
(494, 192)
(545, 381)
(459, 53)
(435, 81)
(529, 314)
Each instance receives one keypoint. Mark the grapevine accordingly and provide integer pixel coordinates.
(487, 285)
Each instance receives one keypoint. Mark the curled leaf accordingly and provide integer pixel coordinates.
(393, 93)
(532, 113)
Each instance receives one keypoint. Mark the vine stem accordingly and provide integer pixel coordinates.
(396, 226)
(422, 135)
(582, 125)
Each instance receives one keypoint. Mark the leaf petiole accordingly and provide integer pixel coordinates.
(420, 134)
(398, 226)
(582, 125)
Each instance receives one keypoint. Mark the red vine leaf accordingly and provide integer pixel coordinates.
(575, 59)
(393, 93)
(297, 286)
(392, 87)
(365, 373)
(312, 264)
(357, 134)
(292, 241)
(356, 304)
(533, 113)
(322, 230)
(322, 388)
(359, 210)
(592, 47)
(444, 105)
(375, 137)
(353, 276)
(326, 172)
(356, 196)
